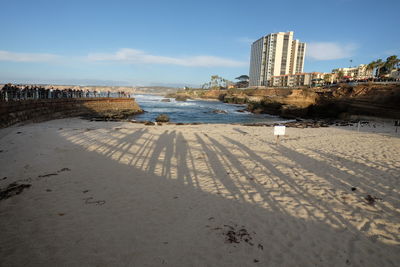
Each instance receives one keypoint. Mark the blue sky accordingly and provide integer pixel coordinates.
(182, 42)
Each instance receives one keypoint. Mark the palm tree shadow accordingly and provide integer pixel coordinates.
(338, 180)
(217, 169)
(142, 223)
(165, 143)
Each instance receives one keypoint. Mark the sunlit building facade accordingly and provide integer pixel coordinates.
(359, 72)
(295, 80)
(273, 55)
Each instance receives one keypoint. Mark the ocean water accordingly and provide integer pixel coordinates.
(199, 111)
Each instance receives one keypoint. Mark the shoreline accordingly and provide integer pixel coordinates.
(287, 121)
(290, 123)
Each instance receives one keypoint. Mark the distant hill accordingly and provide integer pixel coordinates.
(156, 90)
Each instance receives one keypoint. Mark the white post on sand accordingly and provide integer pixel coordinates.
(279, 130)
(358, 126)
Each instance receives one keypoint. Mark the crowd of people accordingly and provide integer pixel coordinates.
(11, 92)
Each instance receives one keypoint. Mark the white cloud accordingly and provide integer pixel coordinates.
(26, 57)
(135, 56)
(125, 55)
(329, 50)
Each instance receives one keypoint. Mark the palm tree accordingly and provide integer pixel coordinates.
(391, 63)
(379, 65)
(327, 78)
(371, 67)
(340, 75)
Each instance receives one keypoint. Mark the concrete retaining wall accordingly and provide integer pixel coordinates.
(44, 109)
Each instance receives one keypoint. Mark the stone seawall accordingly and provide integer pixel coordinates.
(44, 109)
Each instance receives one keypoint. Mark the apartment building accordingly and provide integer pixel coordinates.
(274, 55)
(296, 80)
(359, 72)
(297, 59)
(395, 74)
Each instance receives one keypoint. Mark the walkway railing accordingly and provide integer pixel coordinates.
(11, 92)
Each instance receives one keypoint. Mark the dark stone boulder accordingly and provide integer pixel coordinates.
(162, 118)
(218, 111)
(181, 98)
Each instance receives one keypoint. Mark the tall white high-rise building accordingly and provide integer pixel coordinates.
(273, 55)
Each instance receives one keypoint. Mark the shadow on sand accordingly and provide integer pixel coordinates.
(168, 192)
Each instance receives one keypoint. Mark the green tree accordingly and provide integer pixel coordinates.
(391, 63)
(243, 81)
(371, 67)
(216, 82)
(328, 78)
(340, 75)
(378, 66)
(384, 67)
(243, 78)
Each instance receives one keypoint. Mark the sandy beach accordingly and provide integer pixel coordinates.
(125, 194)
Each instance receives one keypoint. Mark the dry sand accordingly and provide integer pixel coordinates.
(123, 194)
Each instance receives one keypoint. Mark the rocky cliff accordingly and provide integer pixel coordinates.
(381, 100)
